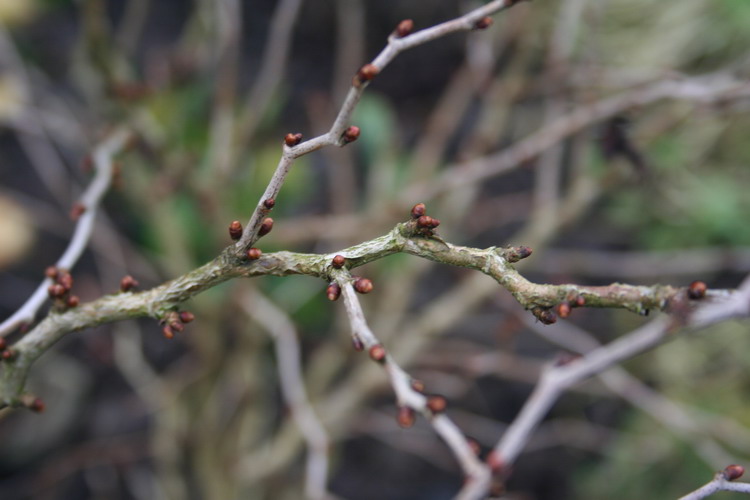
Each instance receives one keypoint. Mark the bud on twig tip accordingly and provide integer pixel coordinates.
(292, 140)
(732, 472)
(235, 230)
(363, 285)
(377, 353)
(404, 28)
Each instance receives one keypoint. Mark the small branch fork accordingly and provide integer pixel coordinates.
(542, 300)
(409, 399)
(341, 133)
(558, 378)
(87, 208)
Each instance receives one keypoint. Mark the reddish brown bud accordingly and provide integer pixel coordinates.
(338, 261)
(418, 210)
(269, 203)
(732, 472)
(563, 309)
(363, 285)
(186, 316)
(65, 279)
(404, 28)
(517, 253)
(565, 358)
(51, 272)
(580, 301)
(474, 445)
(437, 404)
(254, 253)
(377, 353)
(292, 139)
(483, 23)
(167, 332)
(333, 291)
(405, 417)
(367, 73)
(351, 134)
(427, 222)
(495, 462)
(9, 354)
(357, 344)
(697, 290)
(3, 343)
(176, 326)
(56, 291)
(77, 210)
(127, 283)
(417, 385)
(235, 230)
(546, 316)
(37, 405)
(265, 226)
(73, 301)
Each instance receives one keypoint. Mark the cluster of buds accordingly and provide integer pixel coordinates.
(59, 290)
(425, 224)
(174, 321)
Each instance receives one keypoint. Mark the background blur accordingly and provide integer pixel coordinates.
(654, 194)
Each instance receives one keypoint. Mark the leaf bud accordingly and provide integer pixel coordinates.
(235, 230)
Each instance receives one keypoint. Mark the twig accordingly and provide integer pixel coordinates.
(558, 378)
(89, 200)
(284, 335)
(722, 481)
(335, 135)
(477, 474)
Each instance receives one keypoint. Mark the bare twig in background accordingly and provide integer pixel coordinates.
(286, 345)
(89, 201)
